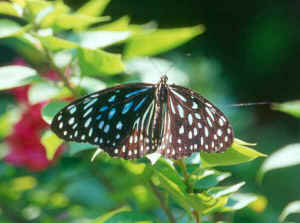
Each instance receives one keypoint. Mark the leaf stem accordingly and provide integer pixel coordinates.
(161, 201)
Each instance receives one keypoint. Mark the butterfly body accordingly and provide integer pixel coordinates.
(133, 120)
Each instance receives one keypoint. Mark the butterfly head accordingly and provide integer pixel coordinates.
(164, 79)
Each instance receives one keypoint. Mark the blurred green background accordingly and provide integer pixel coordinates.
(248, 53)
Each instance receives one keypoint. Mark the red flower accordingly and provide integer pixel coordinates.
(25, 148)
(24, 143)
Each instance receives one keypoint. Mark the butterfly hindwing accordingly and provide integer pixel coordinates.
(191, 124)
(117, 119)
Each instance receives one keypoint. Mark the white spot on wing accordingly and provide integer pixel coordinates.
(190, 119)
(195, 105)
(179, 95)
(180, 110)
(181, 130)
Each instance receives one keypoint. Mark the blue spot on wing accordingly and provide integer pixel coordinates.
(98, 117)
(112, 98)
(127, 107)
(111, 113)
(136, 92)
(103, 108)
(140, 103)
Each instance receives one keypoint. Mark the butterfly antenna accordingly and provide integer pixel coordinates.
(154, 65)
(251, 104)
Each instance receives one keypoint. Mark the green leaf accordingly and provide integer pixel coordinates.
(238, 201)
(51, 109)
(51, 143)
(237, 153)
(159, 41)
(56, 44)
(8, 27)
(75, 147)
(174, 190)
(77, 21)
(100, 39)
(97, 62)
(291, 107)
(15, 76)
(164, 168)
(210, 178)
(7, 8)
(129, 217)
(291, 208)
(285, 157)
(120, 24)
(93, 7)
(109, 215)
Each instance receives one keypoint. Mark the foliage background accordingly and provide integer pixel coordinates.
(249, 53)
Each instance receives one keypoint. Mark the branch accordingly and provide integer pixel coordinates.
(162, 203)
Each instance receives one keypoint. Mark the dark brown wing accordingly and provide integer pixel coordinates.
(192, 123)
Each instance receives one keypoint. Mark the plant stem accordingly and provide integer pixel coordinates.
(186, 177)
(60, 73)
(162, 202)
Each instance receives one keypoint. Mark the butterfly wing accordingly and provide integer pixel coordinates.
(118, 120)
(192, 123)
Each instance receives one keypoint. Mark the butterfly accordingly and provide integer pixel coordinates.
(133, 120)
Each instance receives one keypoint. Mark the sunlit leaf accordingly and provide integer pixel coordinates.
(51, 143)
(93, 7)
(88, 83)
(97, 62)
(120, 24)
(237, 153)
(51, 109)
(77, 21)
(56, 44)
(15, 76)
(291, 107)
(8, 27)
(291, 208)
(50, 15)
(7, 120)
(259, 205)
(50, 91)
(36, 6)
(8, 9)
(100, 39)
(159, 41)
(224, 190)
(285, 157)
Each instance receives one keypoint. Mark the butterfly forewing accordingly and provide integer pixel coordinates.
(117, 119)
(192, 124)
